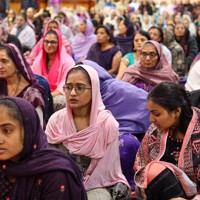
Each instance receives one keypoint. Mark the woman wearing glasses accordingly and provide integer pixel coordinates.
(53, 63)
(152, 68)
(89, 133)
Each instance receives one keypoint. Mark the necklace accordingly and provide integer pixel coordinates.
(17, 86)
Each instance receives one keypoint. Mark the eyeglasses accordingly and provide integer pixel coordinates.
(53, 43)
(79, 88)
(151, 55)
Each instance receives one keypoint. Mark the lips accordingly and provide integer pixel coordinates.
(73, 100)
(2, 150)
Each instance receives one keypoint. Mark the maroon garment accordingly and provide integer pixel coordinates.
(41, 172)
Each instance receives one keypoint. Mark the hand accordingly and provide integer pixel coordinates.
(178, 198)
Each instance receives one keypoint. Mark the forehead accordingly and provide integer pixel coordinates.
(179, 26)
(154, 30)
(101, 30)
(77, 77)
(149, 47)
(51, 36)
(53, 24)
(139, 36)
(3, 53)
(152, 106)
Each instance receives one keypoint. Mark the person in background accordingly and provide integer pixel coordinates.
(89, 133)
(29, 168)
(105, 52)
(152, 68)
(53, 63)
(167, 162)
(125, 37)
(132, 58)
(4, 7)
(24, 32)
(156, 34)
(83, 40)
(178, 56)
(6, 37)
(188, 43)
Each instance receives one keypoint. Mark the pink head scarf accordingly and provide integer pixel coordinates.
(99, 141)
(61, 64)
(161, 72)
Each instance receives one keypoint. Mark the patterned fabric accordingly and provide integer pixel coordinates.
(153, 148)
(39, 166)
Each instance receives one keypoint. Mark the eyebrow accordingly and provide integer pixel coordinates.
(6, 124)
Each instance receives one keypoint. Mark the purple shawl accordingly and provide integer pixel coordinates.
(37, 158)
(126, 102)
(36, 93)
(83, 42)
(103, 58)
(161, 72)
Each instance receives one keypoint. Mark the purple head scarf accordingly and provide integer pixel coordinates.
(126, 102)
(83, 42)
(36, 158)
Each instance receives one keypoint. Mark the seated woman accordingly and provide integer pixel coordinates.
(118, 97)
(178, 56)
(51, 24)
(17, 79)
(105, 52)
(133, 57)
(167, 161)
(125, 37)
(83, 40)
(188, 43)
(29, 168)
(153, 68)
(53, 63)
(89, 133)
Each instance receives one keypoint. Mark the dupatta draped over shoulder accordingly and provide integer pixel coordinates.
(37, 159)
(82, 42)
(153, 148)
(61, 64)
(99, 141)
(161, 72)
(33, 93)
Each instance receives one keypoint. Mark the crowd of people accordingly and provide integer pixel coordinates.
(101, 103)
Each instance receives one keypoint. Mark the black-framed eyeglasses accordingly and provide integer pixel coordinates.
(151, 55)
(53, 43)
(79, 88)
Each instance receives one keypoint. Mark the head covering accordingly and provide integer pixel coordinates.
(154, 176)
(23, 68)
(99, 141)
(62, 62)
(83, 42)
(169, 39)
(118, 97)
(161, 72)
(36, 158)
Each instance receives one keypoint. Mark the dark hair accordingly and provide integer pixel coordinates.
(13, 109)
(76, 69)
(51, 31)
(9, 53)
(108, 31)
(130, 27)
(23, 15)
(160, 31)
(170, 96)
(143, 33)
